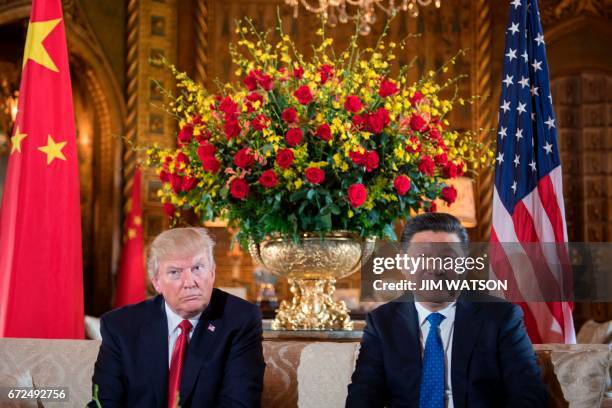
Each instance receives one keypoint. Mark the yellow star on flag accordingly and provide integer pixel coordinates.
(34, 48)
(16, 141)
(137, 220)
(53, 150)
(131, 233)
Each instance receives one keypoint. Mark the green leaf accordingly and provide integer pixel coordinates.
(311, 194)
(298, 195)
(323, 222)
(389, 232)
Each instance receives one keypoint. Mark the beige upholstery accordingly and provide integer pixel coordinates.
(298, 373)
(595, 333)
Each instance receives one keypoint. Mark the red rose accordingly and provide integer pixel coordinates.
(353, 104)
(314, 175)
(169, 209)
(414, 146)
(185, 134)
(387, 88)
(210, 164)
(244, 158)
(401, 184)
(441, 159)
(229, 108)
(176, 182)
(433, 207)
(250, 81)
(460, 169)
(303, 95)
(371, 161)
(378, 120)
(324, 132)
(268, 179)
(450, 170)
(231, 129)
(181, 158)
(298, 72)
(357, 157)
(251, 99)
(416, 98)
(427, 166)
(359, 121)
(164, 176)
(417, 123)
(260, 122)
(239, 188)
(357, 195)
(325, 72)
(294, 137)
(449, 194)
(289, 115)
(189, 183)
(435, 134)
(206, 150)
(284, 158)
(265, 81)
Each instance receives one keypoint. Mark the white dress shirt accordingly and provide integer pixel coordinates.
(446, 333)
(174, 331)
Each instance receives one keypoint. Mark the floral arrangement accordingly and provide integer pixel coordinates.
(332, 143)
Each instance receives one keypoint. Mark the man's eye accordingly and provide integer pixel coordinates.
(198, 268)
(173, 272)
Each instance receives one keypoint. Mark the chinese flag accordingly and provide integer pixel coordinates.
(131, 278)
(41, 277)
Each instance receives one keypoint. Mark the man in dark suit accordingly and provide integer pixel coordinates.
(436, 349)
(192, 345)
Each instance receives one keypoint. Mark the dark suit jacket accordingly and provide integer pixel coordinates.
(223, 367)
(493, 363)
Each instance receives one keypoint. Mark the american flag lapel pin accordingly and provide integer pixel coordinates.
(211, 327)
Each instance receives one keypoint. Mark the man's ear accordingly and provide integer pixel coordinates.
(155, 282)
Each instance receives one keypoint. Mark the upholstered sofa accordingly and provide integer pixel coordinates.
(300, 372)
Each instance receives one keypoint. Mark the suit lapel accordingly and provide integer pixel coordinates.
(154, 350)
(410, 340)
(466, 332)
(203, 339)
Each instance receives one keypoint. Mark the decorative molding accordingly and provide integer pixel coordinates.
(201, 32)
(553, 11)
(131, 118)
(482, 115)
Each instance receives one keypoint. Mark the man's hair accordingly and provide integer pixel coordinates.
(179, 243)
(436, 222)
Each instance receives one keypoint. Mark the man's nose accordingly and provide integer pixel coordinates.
(189, 281)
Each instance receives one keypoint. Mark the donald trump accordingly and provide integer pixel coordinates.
(191, 345)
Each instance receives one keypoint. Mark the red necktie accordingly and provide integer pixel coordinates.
(176, 365)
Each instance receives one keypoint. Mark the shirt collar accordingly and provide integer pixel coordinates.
(174, 319)
(448, 312)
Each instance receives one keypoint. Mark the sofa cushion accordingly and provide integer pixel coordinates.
(53, 363)
(324, 374)
(16, 379)
(582, 370)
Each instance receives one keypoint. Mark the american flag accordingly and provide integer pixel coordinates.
(528, 197)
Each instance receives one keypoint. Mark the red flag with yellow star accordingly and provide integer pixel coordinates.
(41, 272)
(131, 276)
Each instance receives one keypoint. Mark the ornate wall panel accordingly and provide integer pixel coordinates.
(151, 35)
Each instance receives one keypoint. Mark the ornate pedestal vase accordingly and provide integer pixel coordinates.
(312, 267)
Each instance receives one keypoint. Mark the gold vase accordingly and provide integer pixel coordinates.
(312, 267)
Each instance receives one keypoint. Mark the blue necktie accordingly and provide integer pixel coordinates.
(432, 377)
